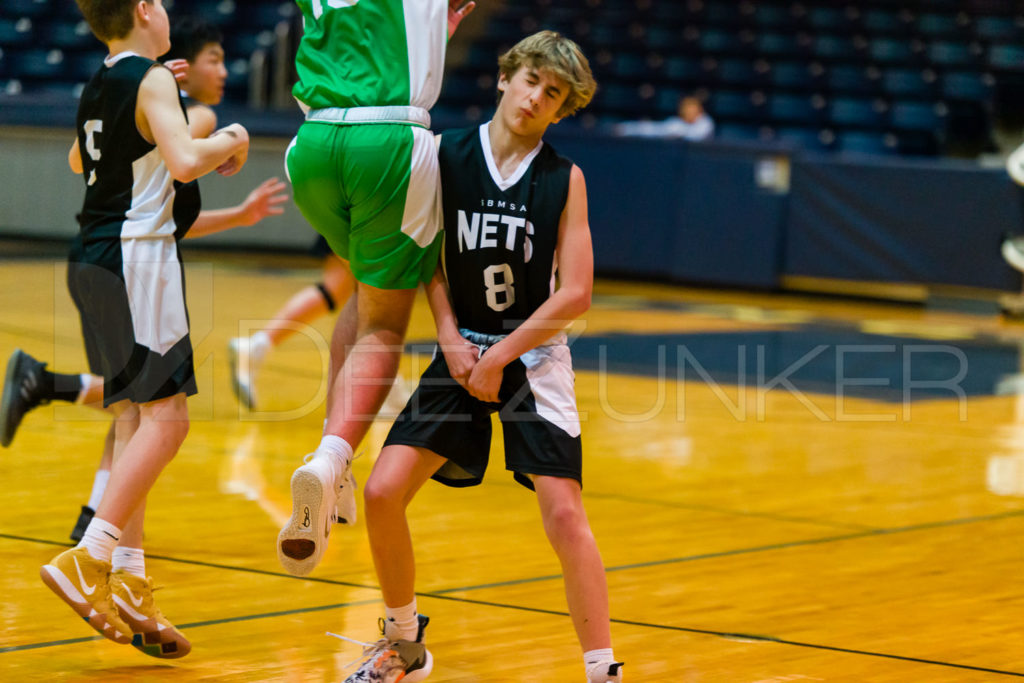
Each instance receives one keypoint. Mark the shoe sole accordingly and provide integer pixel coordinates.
(150, 636)
(7, 430)
(244, 395)
(56, 581)
(300, 544)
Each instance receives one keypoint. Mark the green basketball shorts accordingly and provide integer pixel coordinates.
(373, 191)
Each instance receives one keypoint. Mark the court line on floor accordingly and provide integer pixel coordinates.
(445, 594)
(733, 636)
(874, 533)
(200, 624)
(537, 610)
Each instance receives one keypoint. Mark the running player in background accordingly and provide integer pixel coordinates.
(246, 354)
(197, 60)
(515, 215)
(364, 173)
(127, 280)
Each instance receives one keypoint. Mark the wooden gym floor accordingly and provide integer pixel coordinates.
(783, 488)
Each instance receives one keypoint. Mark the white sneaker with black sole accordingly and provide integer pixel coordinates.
(322, 493)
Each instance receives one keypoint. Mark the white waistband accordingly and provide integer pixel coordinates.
(489, 340)
(417, 116)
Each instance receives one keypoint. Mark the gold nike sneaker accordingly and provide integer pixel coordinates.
(83, 582)
(153, 634)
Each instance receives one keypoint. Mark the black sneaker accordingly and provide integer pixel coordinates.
(83, 522)
(22, 392)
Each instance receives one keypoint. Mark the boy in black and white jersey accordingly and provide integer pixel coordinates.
(140, 165)
(197, 60)
(515, 215)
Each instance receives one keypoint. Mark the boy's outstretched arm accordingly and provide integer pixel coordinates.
(263, 201)
(161, 121)
(570, 301)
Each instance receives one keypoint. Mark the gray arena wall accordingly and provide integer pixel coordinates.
(722, 214)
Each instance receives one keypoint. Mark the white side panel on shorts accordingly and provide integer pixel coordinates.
(421, 219)
(152, 276)
(426, 36)
(549, 371)
(149, 253)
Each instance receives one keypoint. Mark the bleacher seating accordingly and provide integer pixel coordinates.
(880, 76)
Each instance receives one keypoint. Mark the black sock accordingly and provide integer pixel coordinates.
(56, 386)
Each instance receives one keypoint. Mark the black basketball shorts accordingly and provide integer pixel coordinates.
(133, 317)
(537, 409)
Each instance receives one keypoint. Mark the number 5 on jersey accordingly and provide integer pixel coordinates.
(91, 128)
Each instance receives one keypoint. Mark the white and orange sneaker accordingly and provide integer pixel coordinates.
(153, 634)
(392, 659)
(83, 582)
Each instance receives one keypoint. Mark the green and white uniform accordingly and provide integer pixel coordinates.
(363, 166)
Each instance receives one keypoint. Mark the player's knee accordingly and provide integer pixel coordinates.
(380, 495)
(566, 522)
(176, 431)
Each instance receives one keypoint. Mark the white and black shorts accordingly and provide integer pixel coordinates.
(537, 409)
(131, 301)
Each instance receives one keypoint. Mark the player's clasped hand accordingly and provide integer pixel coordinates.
(461, 355)
(485, 379)
(237, 160)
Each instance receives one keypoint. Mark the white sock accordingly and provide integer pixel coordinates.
(131, 560)
(594, 657)
(99, 485)
(335, 448)
(259, 344)
(405, 618)
(100, 539)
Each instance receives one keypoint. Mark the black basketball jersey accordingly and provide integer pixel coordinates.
(129, 191)
(500, 234)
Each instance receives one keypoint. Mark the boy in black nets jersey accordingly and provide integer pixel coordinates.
(139, 164)
(515, 215)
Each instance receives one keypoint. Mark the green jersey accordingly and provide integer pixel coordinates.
(371, 53)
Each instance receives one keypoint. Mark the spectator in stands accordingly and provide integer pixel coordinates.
(691, 123)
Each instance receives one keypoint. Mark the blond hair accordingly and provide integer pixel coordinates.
(553, 52)
(109, 19)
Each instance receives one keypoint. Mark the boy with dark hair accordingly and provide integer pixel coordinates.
(140, 165)
(515, 215)
(197, 59)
